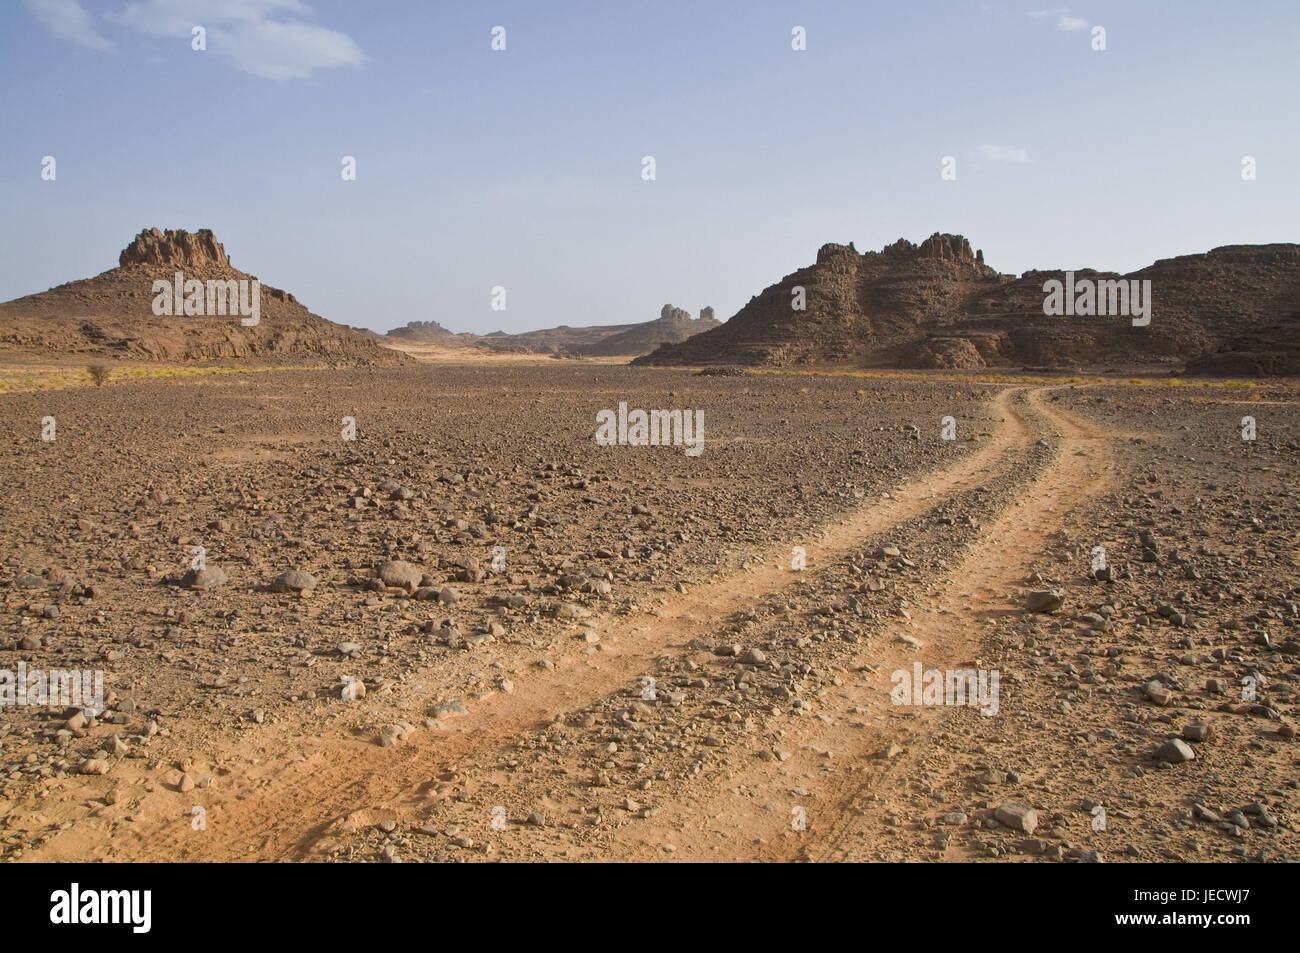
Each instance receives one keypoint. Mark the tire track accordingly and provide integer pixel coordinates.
(723, 821)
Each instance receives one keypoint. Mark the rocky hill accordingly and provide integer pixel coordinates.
(1235, 310)
(113, 314)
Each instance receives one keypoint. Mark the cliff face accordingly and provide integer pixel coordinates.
(112, 314)
(937, 305)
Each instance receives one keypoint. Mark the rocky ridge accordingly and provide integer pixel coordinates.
(938, 305)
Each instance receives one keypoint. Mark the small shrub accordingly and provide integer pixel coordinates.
(98, 373)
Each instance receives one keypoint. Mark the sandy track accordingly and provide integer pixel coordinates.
(748, 818)
(986, 583)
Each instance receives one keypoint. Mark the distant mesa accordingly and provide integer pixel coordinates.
(429, 332)
(111, 315)
(612, 340)
(674, 326)
(1233, 310)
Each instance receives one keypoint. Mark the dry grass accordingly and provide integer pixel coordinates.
(28, 379)
(1000, 377)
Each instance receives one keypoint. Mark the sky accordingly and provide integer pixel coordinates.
(523, 168)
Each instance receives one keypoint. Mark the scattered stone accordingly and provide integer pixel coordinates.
(1175, 751)
(391, 735)
(453, 707)
(1205, 814)
(294, 581)
(400, 574)
(570, 610)
(1044, 600)
(1016, 816)
(1158, 693)
(204, 580)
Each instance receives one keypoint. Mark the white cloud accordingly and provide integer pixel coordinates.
(267, 38)
(1063, 19)
(1004, 154)
(67, 20)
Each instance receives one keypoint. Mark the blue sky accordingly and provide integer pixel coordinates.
(522, 168)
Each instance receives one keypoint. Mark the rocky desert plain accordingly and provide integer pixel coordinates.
(355, 605)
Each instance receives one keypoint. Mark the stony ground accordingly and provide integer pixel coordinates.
(474, 634)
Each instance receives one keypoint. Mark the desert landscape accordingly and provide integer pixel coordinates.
(463, 630)
(890, 557)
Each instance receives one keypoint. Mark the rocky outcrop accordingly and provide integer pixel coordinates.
(175, 248)
(938, 247)
(111, 315)
(948, 248)
(848, 308)
(946, 353)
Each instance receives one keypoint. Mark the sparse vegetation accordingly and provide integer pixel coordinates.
(99, 373)
(25, 380)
